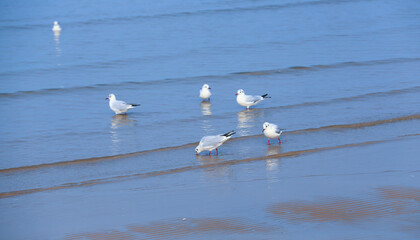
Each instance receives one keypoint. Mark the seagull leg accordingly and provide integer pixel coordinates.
(217, 152)
(268, 141)
(209, 153)
(279, 141)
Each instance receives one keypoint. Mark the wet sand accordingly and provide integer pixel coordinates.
(354, 181)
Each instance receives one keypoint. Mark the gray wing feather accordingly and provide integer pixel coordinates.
(275, 128)
(250, 98)
(121, 105)
(211, 141)
(279, 130)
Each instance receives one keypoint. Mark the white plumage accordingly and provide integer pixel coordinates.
(205, 92)
(56, 27)
(209, 143)
(248, 100)
(118, 106)
(272, 131)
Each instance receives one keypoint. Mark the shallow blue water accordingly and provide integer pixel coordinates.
(159, 54)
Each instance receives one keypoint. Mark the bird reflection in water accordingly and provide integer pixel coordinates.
(215, 171)
(205, 108)
(247, 120)
(57, 43)
(117, 122)
(206, 111)
(273, 150)
(272, 165)
(121, 120)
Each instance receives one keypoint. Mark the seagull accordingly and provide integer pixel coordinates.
(209, 143)
(205, 92)
(118, 106)
(271, 130)
(248, 100)
(56, 27)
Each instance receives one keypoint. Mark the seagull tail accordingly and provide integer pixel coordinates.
(135, 105)
(229, 133)
(279, 131)
(265, 96)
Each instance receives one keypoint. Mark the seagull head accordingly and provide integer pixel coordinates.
(206, 86)
(198, 150)
(111, 97)
(265, 126)
(55, 23)
(240, 92)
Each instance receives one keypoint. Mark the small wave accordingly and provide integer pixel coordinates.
(187, 168)
(351, 98)
(93, 160)
(359, 125)
(314, 103)
(124, 19)
(294, 69)
(288, 70)
(189, 145)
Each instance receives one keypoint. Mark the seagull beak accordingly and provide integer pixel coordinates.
(209, 87)
(263, 130)
(106, 98)
(236, 94)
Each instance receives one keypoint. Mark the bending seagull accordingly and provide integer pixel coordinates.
(248, 100)
(272, 131)
(56, 27)
(209, 143)
(205, 92)
(118, 106)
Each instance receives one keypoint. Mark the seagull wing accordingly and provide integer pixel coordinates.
(253, 99)
(209, 142)
(121, 105)
(276, 128)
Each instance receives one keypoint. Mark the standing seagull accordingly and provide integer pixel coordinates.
(56, 27)
(118, 106)
(205, 92)
(271, 130)
(209, 143)
(248, 100)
